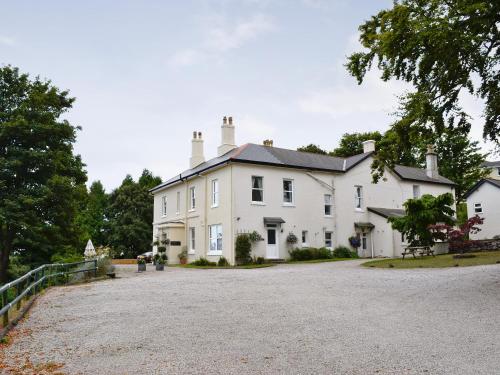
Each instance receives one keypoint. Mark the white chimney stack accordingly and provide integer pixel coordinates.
(368, 146)
(227, 143)
(431, 161)
(197, 156)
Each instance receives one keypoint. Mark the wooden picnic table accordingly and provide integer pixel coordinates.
(421, 250)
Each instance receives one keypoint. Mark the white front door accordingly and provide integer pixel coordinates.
(272, 250)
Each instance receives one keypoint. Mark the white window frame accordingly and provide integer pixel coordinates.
(292, 192)
(164, 205)
(259, 189)
(215, 193)
(478, 206)
(178, 208)
(416, 191)
(328, 203)
(192, 198)
(304, 238)
(498, 171)
(215, 239)
(192, 240)
(358, 198)
(331, 240)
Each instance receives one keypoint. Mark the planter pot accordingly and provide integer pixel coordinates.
(183, 261)
(160, 267)
(141, 267)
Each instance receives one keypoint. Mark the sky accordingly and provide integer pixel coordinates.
(146, 74)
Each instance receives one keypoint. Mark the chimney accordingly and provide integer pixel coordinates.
(431, 161)
(227, 142)
(368, 146)
(268, 142)
(197, 156)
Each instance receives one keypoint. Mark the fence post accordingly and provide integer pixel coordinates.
(4, 303)
(36, 286)
(18, 290)
(95, 267)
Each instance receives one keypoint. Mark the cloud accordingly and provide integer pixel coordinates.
(8, 41)
(224, 36)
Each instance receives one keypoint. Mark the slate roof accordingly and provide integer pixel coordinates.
(275, 156)
(387, 212)
(417, 174)
(491, 164)
(492, 181)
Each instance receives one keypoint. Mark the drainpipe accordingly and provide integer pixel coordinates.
(372, 241)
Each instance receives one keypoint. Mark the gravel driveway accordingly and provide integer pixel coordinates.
(326, 318)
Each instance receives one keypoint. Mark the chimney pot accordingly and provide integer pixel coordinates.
(230, 119)
(194, 135)
(199, 135)
(268, 142)
(224, 120)
(431, 162)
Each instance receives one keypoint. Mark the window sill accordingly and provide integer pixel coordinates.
(214, 206)
(192, 210)
(257, 203)
(359, 210)
(305, 245)
(328, 216)
(214, 253)
(288, 205)
(191, 252)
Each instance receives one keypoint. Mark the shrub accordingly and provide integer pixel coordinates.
(259, 260)
(310, 253)
(222, 262)
(354, 242)
(254, 236)
(104, 266)
(344, 252)
(243, 249)
(203, 262)
(160, 258)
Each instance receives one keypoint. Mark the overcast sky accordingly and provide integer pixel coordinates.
(148, 73)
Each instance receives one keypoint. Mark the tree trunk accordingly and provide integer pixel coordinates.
(5, 249)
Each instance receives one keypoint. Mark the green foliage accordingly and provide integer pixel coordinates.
(141, 260)
(104, 266)
(420, 213)
(16, 268)
(352, 143)
(203, 262)
(243, 248)
(310, 253)
(462, 214)
(312, 148)
(291, 238)
(41, 180)
(92, 214)
(254, 236)
(344, 252)
(222, 262)
(160, 258)
(442, 48)
(183, 254)
(259, 260)
(130, 215)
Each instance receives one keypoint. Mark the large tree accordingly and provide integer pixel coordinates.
(442, 48)
(313, 149)
(41, 180)
(92, 216)
(130, 215)
(352, 143)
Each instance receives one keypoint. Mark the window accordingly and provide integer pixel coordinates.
(358, 197)
(215, 239)
(478, 208)
(498, 171)
(416, 191)
(192, 239)
(215, 193)
(257, 189)
(304, 237)
(328, 240)
(178, 209)
(164, 205)
(192, 195)
(328, 205)
(363, 241)
(288, 191)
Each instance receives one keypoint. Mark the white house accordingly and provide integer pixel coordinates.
(323, 200)
(483, 199)
(494, 169)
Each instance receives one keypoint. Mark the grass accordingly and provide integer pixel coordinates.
(246, 266)
(439, 261)
(318, 260)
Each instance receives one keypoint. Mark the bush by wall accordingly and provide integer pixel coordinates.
(203, 262)
(243, 248)
(344, 252)
(310, 253)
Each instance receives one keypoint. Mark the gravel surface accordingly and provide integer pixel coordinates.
(325, 318)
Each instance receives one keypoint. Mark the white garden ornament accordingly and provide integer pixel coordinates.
(89, 250)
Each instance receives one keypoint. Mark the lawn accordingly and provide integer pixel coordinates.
(439, 261)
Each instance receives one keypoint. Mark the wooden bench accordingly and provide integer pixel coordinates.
(421, 250)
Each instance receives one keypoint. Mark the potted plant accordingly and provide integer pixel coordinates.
(183, 255)
(291, 239)
(141, 263)
(160, 260)
(355, 242)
